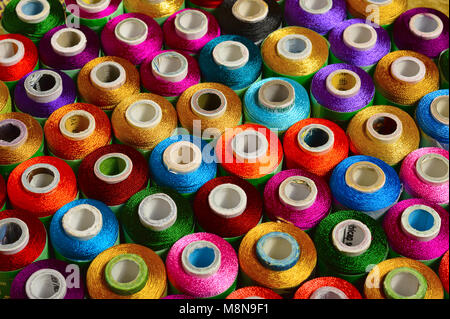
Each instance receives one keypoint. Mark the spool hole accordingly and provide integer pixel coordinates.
(202, 257)
(405, 284)
(384, 125)
(191, 21)
(132, 29)
(32, 8)
(343, 81)
(9, 132)
(442, 107)
(143, 112)
(45, 82)
(250, 144)
(365, 176)
(227, 198)
(297, 190)
(435, 167)
(112, 166)
(108, 73)
(77, 123)
(10, 233)
(8, 49)
(125, 271)
(351, 235)
(421, 220)
(276, 93)
(184, 155)
(316, 137)
(41, 177)
(82, 219)
(249, 8)
(315, 5)
(209, 101)
(231, 53)
(425, 23)
(45, 286)
(408, 68)
(359, 34)
(295, 45)
(277, 248)
(169, 64)
(68, 39)
(156, 209)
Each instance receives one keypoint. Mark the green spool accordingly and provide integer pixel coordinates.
(443, 69)
(3, 207)
(241, 92)
(74, 164)
(223, 295)
(391, 291)
(326, 271)
(95, 24)
(145, 153)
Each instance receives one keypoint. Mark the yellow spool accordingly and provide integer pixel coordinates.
(385, 13)
(154, 10)
(5, 99)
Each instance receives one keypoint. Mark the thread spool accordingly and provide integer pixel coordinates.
(404, 283)
(443, 272)
(443, 69)
(327, 288)
(5, 99)
(157, 9)
(254, 292)
(387, 10)
(2, 193)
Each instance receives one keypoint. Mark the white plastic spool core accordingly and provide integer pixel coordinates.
(360, 36)
(420, 222)
(77, 125)
(227, 200)
(43, 86)
(439, 109)
(351, 237)
(113, 168)
(294, 47)
(131, 31)
(253, 297)
(209, 103)
(40, 178)
(82, 222)
(343, 83)
(380, 2)
(249, 145)
(231, 54)
(433, 169)
(32, 11)
(315, 138)
(191, 24)
(365, 177)
(328, 292)
(93, 6)
(426, 26)
(108, 75)
(144, 114)
(384, 127)
(276, 95)
(12, 52)
(14, 236)
(250, 11)
(201, 258)
(316, 6)
(13, 133)
(298, 192)
(157, 212)
(405, 284)
(170, 66)
(408, 69)
(182, 157)
(68, 41)
(46, 284)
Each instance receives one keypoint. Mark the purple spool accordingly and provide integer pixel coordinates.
(75, 288)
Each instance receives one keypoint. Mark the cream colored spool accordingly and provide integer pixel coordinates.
(408, 69)
(108, 75)
(46, 284)
(182, 157)
(276, 95)
(157, 212)
(322, 132)
(170, 66)
(191, 24)
(249, 145)
(231, 54)
(433, 169)
(12, 52)
(227, 200)
(429, 215)
(351, 237)
(343, 83)
(43, 86)
(131, 31)
(426, 26)
(68, 42)
(40, 178)
(94, 6)
(390, 122)
(14, 236)
(316, 6)
(82, 222)
(201, 272)
(209, 103)
(295, 47)
(77, 125)
(250, 11)
(360, 36)
(365, 177)
(298, 192)
(32, 11)
(144, 114)
(439, 109)
(113, 179)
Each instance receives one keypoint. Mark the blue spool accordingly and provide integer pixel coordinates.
(284, 257)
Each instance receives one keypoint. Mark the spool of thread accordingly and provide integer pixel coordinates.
(143, 120)
(82, 229)
(359, 43)
(424, 174)
(169, 73)
(159, 10)
(5, 99)
(252, 19)
(41, 92)
(32, 18)
(432, 119)
(381, 12)
(42, 185)
(24, 241)
(383, 131)
(254, 292)
(319, 16)
(208, 109)
(231, 60)
(402, 78)
(202, 265)
(112, 174)
(410, 277)
(2, 194)
(339, 91)
(18, 57)
(443, 272)
(278, 256)
(21, 138)
(424, 30)
(298, 197)
(190, 30)
(229, 207)
(417, 229)
(183, 163)
(348, 244)
(327, 288)
(132, 36)
(127, 271)
(443, 69)
(93, 14)
(75, 130)
(48, 279)
(250, 151)
(68, 49)
(207, 5)
(276, 103)
(156, 218)
(315, 145)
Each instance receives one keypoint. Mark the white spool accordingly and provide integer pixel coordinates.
(249, 145)
(157, 212)
(93, 6)
(209, 103)
(250, 11)
(276, 95)
(13, 133)
(14, 236)
(170, 66)
(316, 6)
(298, 192)
(43, 86)
(40, 178)
(125, 171)
(365, 177)
(294, 47)
(77, 125)
(231, 54)
(182, 157)
(191, 24)
(131, 31)
(343, 83)
(439, 109)
(351, 237)
(427, 26)
(391, 124)
(227, 200)
(108, 75)
(12, 52)
(426, 228)
(144, 114)
(209, 260)
(328, 292)
(82, 222)
(68, 42)
(408, 69)
(323, 135)
(32, 11)
(360, 36)
(46, 284)
(433, 169)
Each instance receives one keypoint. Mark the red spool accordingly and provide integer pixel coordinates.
(254, 291)
(308, 288)
(2, 192)
(29, 61)
(443, 271)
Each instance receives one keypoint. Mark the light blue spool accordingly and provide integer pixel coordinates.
(285, 257)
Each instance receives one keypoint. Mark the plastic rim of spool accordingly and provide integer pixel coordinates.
(277, 251)
(343, 83)
(182, 157)
(68, 42)
(69, 122)
(131, 31)
(433, 169)
(191, 24)
(13, 133)
(428, 223)
(439, 108)
(14, 235)
(201, 258)
(328, 292)
(157, 212)
(381, 120)
(380, 2)
(294, 47)
(254, 297)
(46, 283)
(316, 6)
(204, 103)
(144, 114)
(227, 200)
(231, 54)
(405, 283)
(322, 132)
(298, 192)
(276, 95)
(125, 166)
(351, 237)
(82, 222)
(408, 69)
(170, 66)
(40, 178)
(12, 52)
(249, 145)
(365, 177)
(32, 11)
(52, 86)
(360, 36)
(93, 6)
(250, 11)
(427, 26)
(108, 75)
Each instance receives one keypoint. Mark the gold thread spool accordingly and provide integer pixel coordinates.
(385, 11)
(155, 288)
(393, 141)
(373, 286)
(154, 8)
(5, 99)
